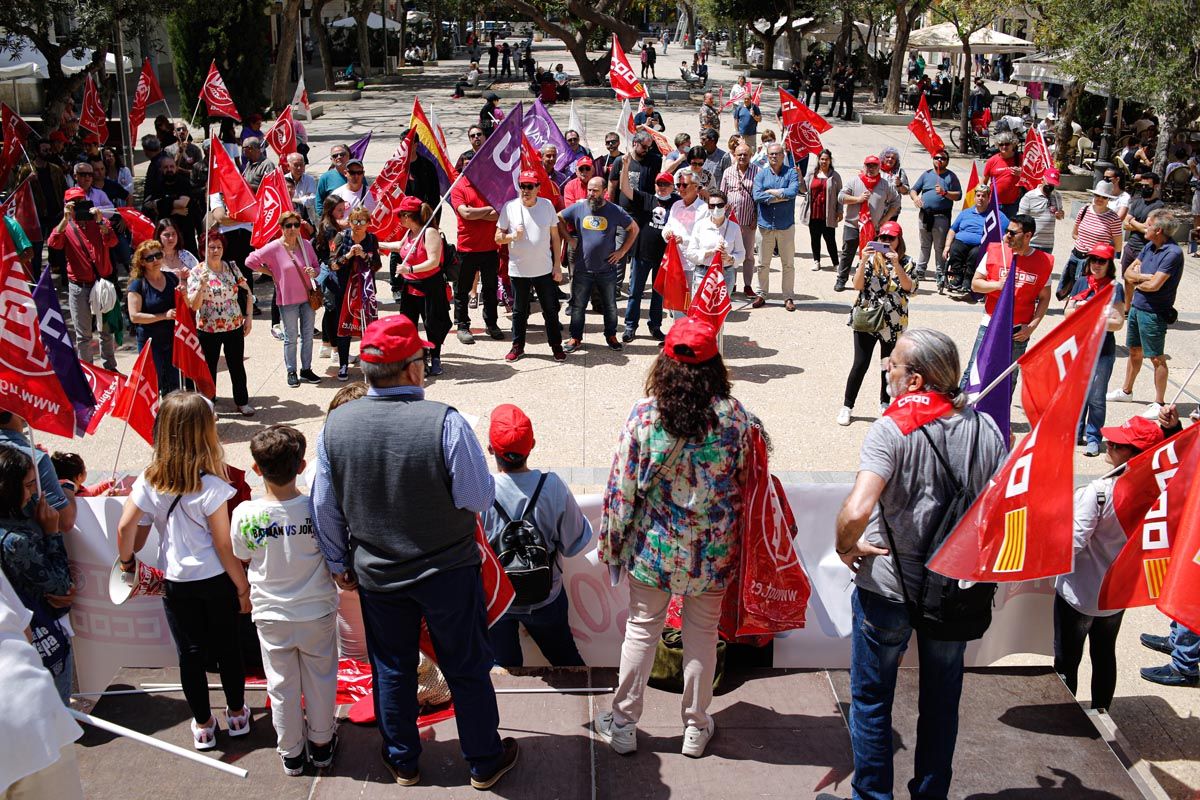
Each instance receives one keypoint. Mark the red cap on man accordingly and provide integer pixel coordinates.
(871, 160)
(1137, 432)
(510, 433)
(584, 162)
(396, 339)
(1052, 176)
(665, 177)
(527, 176)
(690, 341)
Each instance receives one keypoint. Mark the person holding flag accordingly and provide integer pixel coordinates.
(649, 249)
(869, 202)
(746, 117)
(150, 299)
(424, 293)
(714, 235)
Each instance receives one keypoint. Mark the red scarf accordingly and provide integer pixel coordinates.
(1094, 285)
(914, 409)
(870, 182)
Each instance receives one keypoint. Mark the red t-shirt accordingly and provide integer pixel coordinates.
(1008, 187)
(574, 189)
(475, 235)
(1033, 271)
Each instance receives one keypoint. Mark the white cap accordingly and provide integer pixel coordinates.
(1104, 189)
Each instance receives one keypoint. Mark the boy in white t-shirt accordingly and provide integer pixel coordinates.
(293, 601)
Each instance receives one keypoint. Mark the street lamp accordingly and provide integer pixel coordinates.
(1106, 138)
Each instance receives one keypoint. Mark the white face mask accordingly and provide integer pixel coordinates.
(717, 215)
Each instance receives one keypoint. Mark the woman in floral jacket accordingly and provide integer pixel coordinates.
(672, 514)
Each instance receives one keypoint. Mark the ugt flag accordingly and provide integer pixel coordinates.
(282, 135)
(216, 96)
(711, 303)
(1034, 160)
(994, 356)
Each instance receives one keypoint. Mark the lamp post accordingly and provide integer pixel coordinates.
(1104, 155)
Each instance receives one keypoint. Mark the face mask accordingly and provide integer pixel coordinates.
(1147, 191)
(659, 194)
(717, 215)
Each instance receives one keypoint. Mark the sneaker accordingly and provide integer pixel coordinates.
(326, 351)
(256, 311)
(696, 739)
(435, 367)
(507, 761)
(354, 359)
(559, 353)
(1119, 396)
(816, 267)
(246, 411)
(1162, 644)
(613, 344)
(293, 380)
(239, 723)
(627, 336)
(1092, 450)
(494, 332)
(659, 336)
(343, 373)
(1167, 675)
(748, 291)
(1152, 411)
(473, 302)
(465, 336)
(308, 376)
(571, 345)
(204, 737)
(277, 331)
(621, 738)
(843, 417)
(404, 777)
(322, 754)
(516, 352)
(293, 766)
(839, 286)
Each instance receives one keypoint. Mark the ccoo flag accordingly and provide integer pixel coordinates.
(621, 77)
(1180, 599)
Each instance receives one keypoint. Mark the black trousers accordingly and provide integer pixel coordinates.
(864, 346)
(960, 266)
(334, 295)
(808, 97)
(1071, 629)
(431, 305)
(203, 618)
(818, 230)
(547, 295)
(234, 345)
(487, 266)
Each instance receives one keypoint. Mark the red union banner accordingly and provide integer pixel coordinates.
(393, 178)
(1035, 160)
(1180, 598)
(282, 135)
(16, 134)
(216, 96)
(273, 199)
(711, 303)
(235, 192)
(104, 385)
(91, 113)
(802, 127)
(621, 77)
(137, 401)
(660, 141)
(22, 207)
(148, 91)
(922, 128)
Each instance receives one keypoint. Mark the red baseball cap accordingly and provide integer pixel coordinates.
(1052, 176)
(91, 138)
(1102, 250)
(665, 177)
(1137, 432)
(871, 160)
(74, 193)
(395, 337)
(891, 228)
(527, 176)
(410, 203)
(585, 162)
(690, 341)
(511, 432)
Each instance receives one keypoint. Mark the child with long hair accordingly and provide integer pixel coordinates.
(184, 495)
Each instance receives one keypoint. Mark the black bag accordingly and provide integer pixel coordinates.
(451, 262)
(522, 552)
(944, 610)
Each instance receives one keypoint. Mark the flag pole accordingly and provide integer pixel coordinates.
(33, 457)
(1183, 385)
(120, 445)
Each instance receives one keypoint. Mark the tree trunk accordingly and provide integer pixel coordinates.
(364, 44)
(323, 44)
(1063, 135)
(964, 113)
(741, 44)
(838, 55)
(900, 52)
(1176, 117)
(284, 55)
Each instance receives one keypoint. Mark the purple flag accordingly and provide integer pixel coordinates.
(541, 130)
(359, 149)
(494, 169)
(60, 349)
(993, 232)
(994, 357)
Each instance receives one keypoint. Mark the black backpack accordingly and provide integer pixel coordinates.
(522, 552)
(943, 609)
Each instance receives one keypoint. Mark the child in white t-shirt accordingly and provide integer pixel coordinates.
(292, 599)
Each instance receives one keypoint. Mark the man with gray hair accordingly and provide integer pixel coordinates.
(914, 459)
(716, 160)
(302, 186)
(256, 165)
(775, 190)
(1154, 279)
(408, 476)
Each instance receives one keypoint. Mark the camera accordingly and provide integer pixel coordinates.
(83, 210)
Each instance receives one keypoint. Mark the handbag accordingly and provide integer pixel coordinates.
(316, 298)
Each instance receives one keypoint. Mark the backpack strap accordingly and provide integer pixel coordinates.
(534, 498)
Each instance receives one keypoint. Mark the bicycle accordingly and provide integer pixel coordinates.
(978, 142)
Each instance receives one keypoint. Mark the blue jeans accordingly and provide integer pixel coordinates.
(581, 293)
(302, 315)
(878, 641)
(549, 629)
(452, 605)
(1095, 408)
(1186, 656)
(1071, 272)
(640, 273)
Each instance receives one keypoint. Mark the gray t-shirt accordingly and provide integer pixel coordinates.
(918, 489)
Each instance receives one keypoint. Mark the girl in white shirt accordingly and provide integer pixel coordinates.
(184, 495)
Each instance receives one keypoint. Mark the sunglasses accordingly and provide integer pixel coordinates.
(1097, 260)
(355, 172)
(697, 163)
(584, 168)
(885, 237)
(84, 174)
(152, 256)
(716, 205)
(476, 135)
(611, 144)
(1011, 232)
(290, 225)
(572, 141)
(528, 187)
(941, 158)
(358, 223)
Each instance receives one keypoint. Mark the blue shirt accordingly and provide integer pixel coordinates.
(471, 485)
(927, 185)
(597, 232)
(743, 115)
(776, 216)
(329, 180)
(1168, 259)
(968, 227)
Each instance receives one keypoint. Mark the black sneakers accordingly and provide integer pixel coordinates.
(322, 754)
(293, 381)
(308, 376)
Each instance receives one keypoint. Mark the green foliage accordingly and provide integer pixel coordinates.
(236, 34)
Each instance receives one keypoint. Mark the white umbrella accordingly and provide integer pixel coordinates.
(374, 22)
(943, 38)
(26, 61)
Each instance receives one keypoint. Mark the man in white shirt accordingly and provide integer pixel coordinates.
(1045, 205)
(529, 226)
(355, 191)
(687, 212)
(304, 188)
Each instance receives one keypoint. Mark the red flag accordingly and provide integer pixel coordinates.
(141, 226)
(801, 126)
(711, 302)
(300, 98)
(28, 384)
(91, 114)
(922, 128)
(1148, 500)
(272, 200)
(148, 91)
(660, 140)
(104, 385)
(1180, 599)
(393, 178)
(1045, 366)
(16, 135)
(225, 178)
(756, 93)
(531, 159)
(137, 402)
(1007, 535)
(384, 222)
(621, 77)
(21, 206)
(670, 282)
(1034, 160)
(866, 228)
(186, 354)
(282, 135)
(216, 96)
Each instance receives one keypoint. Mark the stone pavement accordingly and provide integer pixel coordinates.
(789, 368)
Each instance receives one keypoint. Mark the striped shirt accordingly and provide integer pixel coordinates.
(1096, 228)
(739, 190)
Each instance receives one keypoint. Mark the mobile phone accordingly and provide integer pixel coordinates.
(83, 210)
(879, 247)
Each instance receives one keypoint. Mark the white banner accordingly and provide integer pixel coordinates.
(135, 634)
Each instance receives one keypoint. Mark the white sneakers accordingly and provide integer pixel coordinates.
(1119, 396)
(1152, 410)
(621, 738)
(843, 417)
(325, 351)
(696, 739)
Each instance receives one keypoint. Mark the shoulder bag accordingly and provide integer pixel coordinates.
(866, 318)
(316, 298)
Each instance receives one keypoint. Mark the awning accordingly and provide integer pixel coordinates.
(1040, 67)
(374, 22)
(943, 38)
(26, 61)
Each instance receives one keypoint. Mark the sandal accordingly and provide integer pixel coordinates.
(204, 737)
(238, 724)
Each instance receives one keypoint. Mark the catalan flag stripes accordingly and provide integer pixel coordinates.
(1156, 573)
(1012, 549)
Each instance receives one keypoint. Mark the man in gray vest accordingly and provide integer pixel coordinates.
(408, 476)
